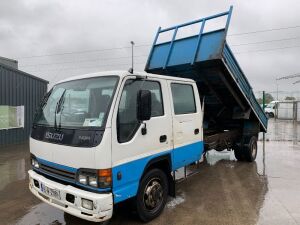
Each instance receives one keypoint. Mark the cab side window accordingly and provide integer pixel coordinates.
(127, 122)
(183, 98)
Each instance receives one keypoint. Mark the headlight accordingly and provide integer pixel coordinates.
(93, 181)
(35, 163)
(82, 179)
(95, 178)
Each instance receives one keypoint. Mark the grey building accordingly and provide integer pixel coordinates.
(20, 95)
(9, 62)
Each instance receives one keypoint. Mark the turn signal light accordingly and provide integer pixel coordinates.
(105, 178)
(104, 172)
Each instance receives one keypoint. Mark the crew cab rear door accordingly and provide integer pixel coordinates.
(187, 123)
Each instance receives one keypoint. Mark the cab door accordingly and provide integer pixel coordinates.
(135, 143)
(187, 123)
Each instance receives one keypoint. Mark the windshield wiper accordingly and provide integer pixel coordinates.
(61, 110)
(42, 106)
(58, 106)
(45, 99)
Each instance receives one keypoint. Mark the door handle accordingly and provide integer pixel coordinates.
(196, 131)
(162, 138)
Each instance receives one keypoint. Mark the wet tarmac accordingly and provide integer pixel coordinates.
(224, 192)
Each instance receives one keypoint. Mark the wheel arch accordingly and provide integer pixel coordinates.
(164, 163)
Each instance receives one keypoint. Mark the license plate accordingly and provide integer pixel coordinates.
(52, 192)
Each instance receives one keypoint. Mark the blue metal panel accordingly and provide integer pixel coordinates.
(195, 44)
(198, 42)
(159, 55)
(210, 47)
(244, 85)
(182, 51)
(171, 47)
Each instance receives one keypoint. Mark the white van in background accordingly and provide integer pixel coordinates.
(270, 108)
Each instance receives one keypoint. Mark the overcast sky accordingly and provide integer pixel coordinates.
(86, 27)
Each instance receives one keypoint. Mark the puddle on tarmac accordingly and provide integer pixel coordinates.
(13, 164)
(173, 202)
(12, 171)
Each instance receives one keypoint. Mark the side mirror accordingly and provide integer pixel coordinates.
(144, 105)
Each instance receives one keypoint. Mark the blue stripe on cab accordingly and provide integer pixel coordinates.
(58, 166)
(131, 172)
(187, 154)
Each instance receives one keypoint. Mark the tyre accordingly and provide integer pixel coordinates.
(271, 115)
(250, 149)
(152, 194)
(238, 154)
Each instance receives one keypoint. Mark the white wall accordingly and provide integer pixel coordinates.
(298, 111)
(285, 110)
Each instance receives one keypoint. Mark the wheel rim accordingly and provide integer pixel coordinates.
(254, 150)
(153, 194)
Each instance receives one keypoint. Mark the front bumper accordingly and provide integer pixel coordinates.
(103, 203)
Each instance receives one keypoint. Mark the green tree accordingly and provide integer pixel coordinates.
(289, 98)
(268, 98)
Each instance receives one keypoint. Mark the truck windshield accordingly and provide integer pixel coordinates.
(78, 103)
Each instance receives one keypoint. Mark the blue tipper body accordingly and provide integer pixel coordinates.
(205, 57)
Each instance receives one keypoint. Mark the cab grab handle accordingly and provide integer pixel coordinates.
(163, 138)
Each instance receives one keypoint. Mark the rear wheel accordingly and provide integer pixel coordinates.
(247, 151)
(250, 149)
(238, 153)
(152, 195)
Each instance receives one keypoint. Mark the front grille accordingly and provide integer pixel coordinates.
(58, 173)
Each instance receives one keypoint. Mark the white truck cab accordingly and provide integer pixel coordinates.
(102, 138)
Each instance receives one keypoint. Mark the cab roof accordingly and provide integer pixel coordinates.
(122, 73)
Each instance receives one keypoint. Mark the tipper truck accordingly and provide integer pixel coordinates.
(104, 138)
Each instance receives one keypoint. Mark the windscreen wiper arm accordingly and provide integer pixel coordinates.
(41, 107)
(58, 105)
(61, 108)
(45, 99)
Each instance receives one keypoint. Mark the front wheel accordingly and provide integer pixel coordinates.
(152, 194)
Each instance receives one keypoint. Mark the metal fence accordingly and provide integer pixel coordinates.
(284, 109)
(280, 95)
(288, 110)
